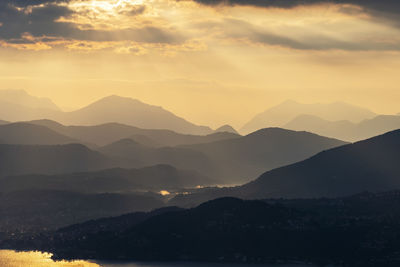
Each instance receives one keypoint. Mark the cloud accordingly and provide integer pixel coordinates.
(244, 31)
(377, 5)
(378, 8)
(40, 21)
(25, 3)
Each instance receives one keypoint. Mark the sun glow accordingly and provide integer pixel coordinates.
(106, 5)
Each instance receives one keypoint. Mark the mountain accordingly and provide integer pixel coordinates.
(130, 153)
(41, 210)
(22, 98)
(3, 122)
(281, 114)
(104, 134)
(360, 230)
(19, 106)
(370, 165)
(226, 128)
(346, 130)
(30, 134)
(49, 159)
(131, 112)
(242, 159)
(154, 178)
(378, 125)
(17, 112)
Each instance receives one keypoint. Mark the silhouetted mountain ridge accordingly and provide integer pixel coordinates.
(41, 210)
(19, 106)
(21, 97)
(131, 112)
(346, 130)
(369, 165)
(242, 159)
(153, 178)
(226, 128)
(30, 134)
(130, 153)
(49, 159)
(283, 113)
(360, 230)
(105, 134)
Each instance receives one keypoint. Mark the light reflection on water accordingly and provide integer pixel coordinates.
(9, 258)
(104, 264)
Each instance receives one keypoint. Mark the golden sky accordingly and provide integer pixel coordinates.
(211, 64)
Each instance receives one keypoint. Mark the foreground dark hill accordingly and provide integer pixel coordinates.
(41, 210)
(345, 130)
(104, 134)
(30, 134)
(360, 230)
(131, 112)
(154, 178)
(242, 159)
(49, 159)
(283, 113)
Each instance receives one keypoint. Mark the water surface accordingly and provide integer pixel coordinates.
(9, 258)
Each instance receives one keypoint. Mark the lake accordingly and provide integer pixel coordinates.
(9, 258)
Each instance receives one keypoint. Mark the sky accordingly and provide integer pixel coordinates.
(209, 61)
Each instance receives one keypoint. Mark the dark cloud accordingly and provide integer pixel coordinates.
(376, 7)
(245, 31)
(383, 11)
(39, 18)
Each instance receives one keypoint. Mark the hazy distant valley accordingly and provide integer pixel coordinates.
(163, 179)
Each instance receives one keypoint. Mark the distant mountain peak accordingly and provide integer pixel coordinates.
(133, 112)
(22, 98)
(283, 113)
(226, 128)
(116, 99)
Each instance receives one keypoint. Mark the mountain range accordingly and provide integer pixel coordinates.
(131, 112)
(114, 118)
(50, 159)
(229, 161)
(283, 113)
(22, 98)
(154, 178)
(242, 159)
(20, 106)
(35, 149)
(31, 134)
(108, 133)
(345, 130)
(359, 230)
(41, 210)
(369, 165)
